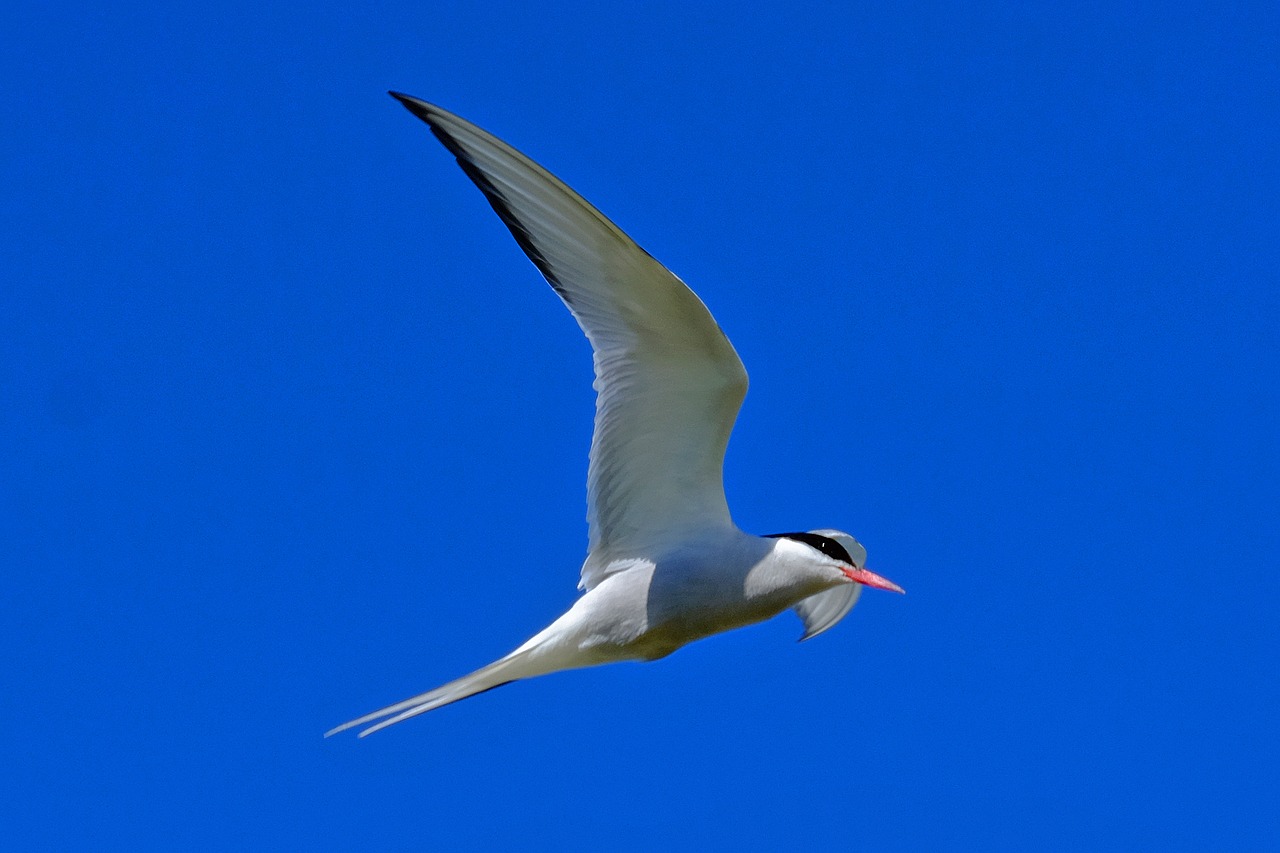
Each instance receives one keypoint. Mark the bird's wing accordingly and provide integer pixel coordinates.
(668, 382)
(822, 611)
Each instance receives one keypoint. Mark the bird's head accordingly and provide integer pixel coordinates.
(839, 555)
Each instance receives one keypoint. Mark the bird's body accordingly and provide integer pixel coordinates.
(666, 565)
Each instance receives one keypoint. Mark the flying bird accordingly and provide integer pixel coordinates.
(665, 564)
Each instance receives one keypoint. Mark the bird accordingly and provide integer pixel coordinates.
(665, 564)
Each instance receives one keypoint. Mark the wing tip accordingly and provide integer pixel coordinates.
(417, 106)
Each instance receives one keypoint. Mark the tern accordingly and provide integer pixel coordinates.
(665, 564)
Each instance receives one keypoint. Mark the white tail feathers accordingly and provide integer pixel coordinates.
(552, 649)
(496, 674)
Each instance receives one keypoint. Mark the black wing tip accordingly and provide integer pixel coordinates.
(414, 105)
(430, 115)
(497, 200)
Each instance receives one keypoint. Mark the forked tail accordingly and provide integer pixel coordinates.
(511, 668)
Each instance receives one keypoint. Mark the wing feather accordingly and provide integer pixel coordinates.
(822, 611)
(668, 382)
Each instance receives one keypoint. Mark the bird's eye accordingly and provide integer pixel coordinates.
(830, 547)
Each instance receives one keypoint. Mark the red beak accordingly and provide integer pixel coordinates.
(871, 579)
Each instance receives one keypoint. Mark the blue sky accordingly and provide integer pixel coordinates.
(293, 430)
